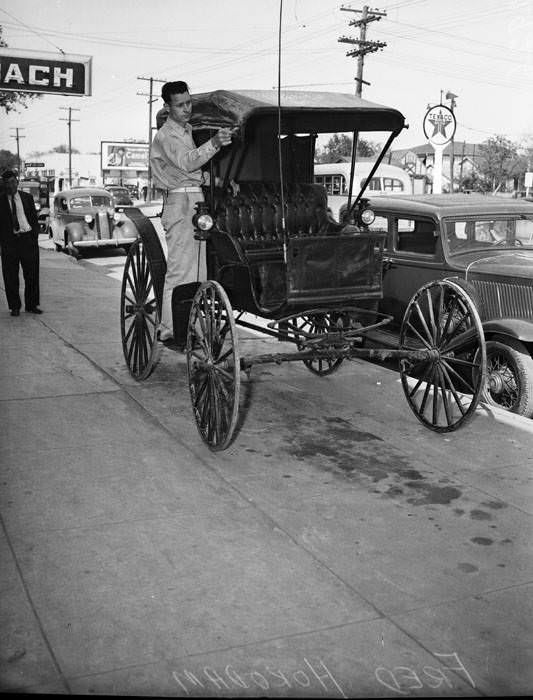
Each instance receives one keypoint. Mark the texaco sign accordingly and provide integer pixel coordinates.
(41, 71)
(439, 125)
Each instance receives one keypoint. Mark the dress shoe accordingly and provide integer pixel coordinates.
(34, 310)
(15, 312)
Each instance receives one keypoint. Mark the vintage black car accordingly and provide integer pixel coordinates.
(121, 195)
(488, 242)
(86, 217)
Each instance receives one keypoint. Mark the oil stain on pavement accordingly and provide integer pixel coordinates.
(333, 444)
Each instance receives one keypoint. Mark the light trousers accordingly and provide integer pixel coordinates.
(186, 259)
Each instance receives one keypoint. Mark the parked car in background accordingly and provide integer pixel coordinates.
(121, 195)
(335, 177)
(488, 243)
(86, 217)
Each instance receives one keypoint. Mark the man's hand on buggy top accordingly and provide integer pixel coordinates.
(223, 137)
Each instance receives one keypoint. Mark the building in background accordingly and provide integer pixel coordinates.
(419, 162)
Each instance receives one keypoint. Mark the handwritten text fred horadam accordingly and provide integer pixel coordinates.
(319, 679)
(316, 677)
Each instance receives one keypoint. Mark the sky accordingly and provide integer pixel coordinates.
(479, 50)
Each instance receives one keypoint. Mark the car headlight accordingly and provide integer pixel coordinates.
(111, 211)
(204, 222)
(367, 217)
(37, 206)
(117, 216)
(88, 218)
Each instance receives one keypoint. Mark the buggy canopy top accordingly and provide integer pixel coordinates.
(301, 111)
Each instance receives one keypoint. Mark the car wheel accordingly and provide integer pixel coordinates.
(509, 376)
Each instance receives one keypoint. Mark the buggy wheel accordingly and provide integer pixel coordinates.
(214, 365)
(318, 324)
(139, 313)
(443, 389)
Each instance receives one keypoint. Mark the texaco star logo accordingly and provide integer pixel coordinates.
(439, 125)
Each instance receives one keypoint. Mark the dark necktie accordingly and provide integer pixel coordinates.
(16, 225)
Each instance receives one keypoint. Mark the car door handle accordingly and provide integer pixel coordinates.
(388, 264)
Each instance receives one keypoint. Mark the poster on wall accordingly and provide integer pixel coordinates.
(119, 155)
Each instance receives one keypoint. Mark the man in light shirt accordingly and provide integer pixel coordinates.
(176, 169)
(19, 233)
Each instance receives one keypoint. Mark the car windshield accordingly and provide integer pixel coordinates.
(470, 235)
(87, 200)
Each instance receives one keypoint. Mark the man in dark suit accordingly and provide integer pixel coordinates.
(19, 232)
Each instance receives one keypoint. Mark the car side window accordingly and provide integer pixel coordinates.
(416, 236)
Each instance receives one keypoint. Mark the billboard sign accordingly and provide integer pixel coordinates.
(117, 155)
(439, 125)
(44, 71)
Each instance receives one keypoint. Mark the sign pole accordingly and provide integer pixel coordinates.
(437, 170)
(439, 128)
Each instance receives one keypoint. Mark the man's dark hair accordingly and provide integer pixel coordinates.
(178, 87)
(9, 173)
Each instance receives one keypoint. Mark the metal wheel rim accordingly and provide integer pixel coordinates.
(139, 313)
(213, 364)
(318, 323)
(502, 384)
(443, 391)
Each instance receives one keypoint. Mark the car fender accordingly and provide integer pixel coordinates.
(75, 231)
(517, 328)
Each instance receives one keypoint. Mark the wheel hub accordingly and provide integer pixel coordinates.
(496, 383)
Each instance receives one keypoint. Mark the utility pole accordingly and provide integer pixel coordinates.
(151, 99)
(69, 120)
(364, 46)
(18, 137)
(450, 96)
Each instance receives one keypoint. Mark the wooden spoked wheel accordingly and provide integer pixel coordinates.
(139, 313)
(318, 324)
(444, 388)
(213, 365)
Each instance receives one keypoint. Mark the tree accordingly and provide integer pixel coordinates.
(340, 146)
(8, 160)
(10, 101)
(497, 162)
(63, 148)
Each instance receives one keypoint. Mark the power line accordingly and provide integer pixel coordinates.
(32, 30)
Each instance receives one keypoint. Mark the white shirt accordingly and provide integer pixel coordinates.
(175, 160)
(21, 216)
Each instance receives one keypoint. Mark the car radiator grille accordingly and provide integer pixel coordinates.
(103, 230)
(505, 300)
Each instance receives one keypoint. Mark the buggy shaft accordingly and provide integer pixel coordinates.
(247, 362)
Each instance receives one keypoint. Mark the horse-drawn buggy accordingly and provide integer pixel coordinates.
(275, 252)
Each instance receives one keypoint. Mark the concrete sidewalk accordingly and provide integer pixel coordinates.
(337, 549)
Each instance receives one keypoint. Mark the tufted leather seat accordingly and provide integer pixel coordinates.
(253, 214)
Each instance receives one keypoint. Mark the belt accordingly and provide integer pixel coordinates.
(185, 189)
